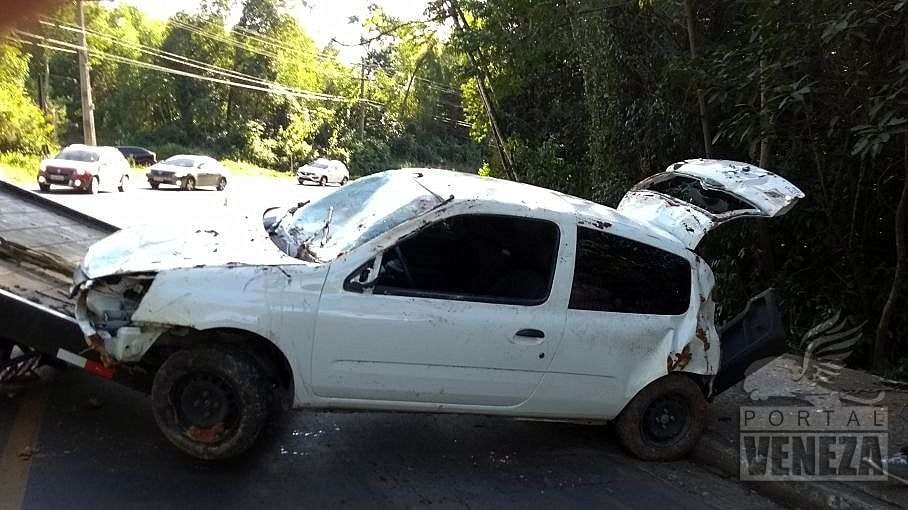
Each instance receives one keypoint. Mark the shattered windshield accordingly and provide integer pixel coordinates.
(351, 216)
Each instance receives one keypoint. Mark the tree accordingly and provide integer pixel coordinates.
(23, 126)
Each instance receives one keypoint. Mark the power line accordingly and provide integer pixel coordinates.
(42, 45)
(183, 60)
(271, 88)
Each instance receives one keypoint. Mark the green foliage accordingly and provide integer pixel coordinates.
(412, 115)
(22, 125)
(593, 97)
(19, 167)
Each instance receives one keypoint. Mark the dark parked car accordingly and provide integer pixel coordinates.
(138, 155)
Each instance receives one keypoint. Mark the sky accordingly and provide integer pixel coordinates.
(322, 19)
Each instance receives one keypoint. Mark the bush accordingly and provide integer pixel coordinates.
(19, 167)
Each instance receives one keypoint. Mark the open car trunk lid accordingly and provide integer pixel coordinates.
(692, 197)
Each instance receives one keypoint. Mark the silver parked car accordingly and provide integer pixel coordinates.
(323, 171)
(186, 172)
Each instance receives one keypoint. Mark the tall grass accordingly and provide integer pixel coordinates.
(19, 168)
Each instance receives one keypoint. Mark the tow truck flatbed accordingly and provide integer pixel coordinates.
(41, 242)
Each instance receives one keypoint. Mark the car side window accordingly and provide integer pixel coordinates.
(476, 257)
(616, 274)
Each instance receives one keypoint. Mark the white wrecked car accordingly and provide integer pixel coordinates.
(435, 291)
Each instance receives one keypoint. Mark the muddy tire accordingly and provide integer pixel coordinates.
(211, 401)
(664, 421)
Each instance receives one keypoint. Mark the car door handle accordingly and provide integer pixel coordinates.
(528, 337)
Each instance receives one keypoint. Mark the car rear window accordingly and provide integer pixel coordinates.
(616, 274)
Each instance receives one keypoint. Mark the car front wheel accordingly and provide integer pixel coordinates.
(188, 184)
(124, 183)
(94, 186)
(323, 180)
(211, 401)
(222, 184)
(665, 420)
(344, 180)
(44, 187)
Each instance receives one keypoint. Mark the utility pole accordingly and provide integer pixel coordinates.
(44, 84)
(88, 106)
(362, 88)
(462, 26)
(362, 97)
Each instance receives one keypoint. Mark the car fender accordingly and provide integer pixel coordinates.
(274, 302)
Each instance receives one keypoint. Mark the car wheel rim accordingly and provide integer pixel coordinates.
(666, 420)
(207, 407)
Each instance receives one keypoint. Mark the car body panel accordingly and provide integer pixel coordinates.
(352, 349)
(755, 192)
(157, 248)
(455, 352)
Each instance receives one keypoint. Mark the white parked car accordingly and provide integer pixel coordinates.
(87, 168)
(187, 171)
(323, 171)
(435, 291)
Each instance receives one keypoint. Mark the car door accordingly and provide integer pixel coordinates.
(203, 174)
(465, 311)
(106, 171)
(628, 310)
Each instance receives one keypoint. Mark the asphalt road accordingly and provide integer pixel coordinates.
(74, 441)
(141, 205)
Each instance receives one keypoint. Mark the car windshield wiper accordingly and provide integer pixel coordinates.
(289, 212)
(306, 253)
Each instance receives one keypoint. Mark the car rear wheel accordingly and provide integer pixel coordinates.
(222, 184)
(211, 401)
(124, 183)
(665, 420)
(94, 186)
(44, 187)
(323, 180)
(189, 184)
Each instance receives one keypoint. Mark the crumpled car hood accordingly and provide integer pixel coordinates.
(144, 249)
